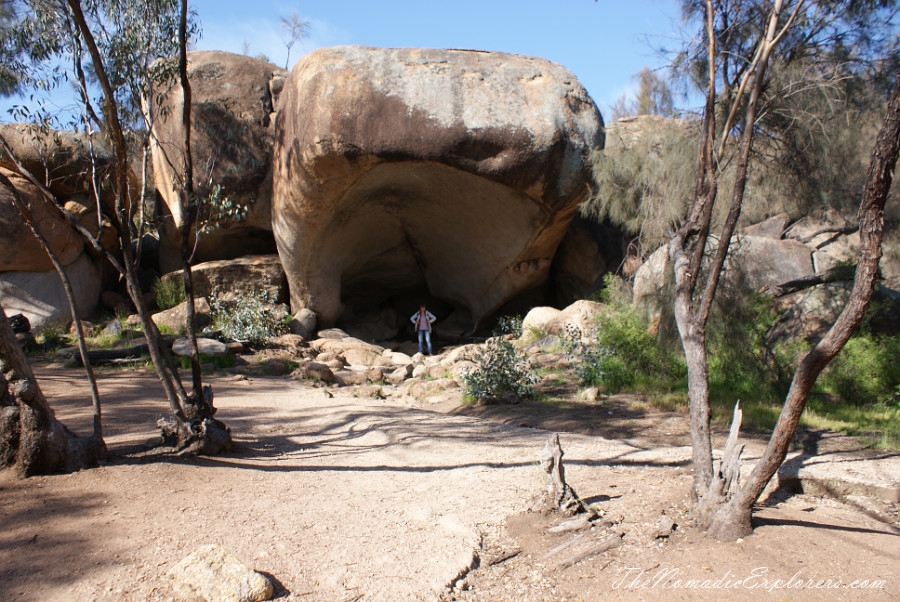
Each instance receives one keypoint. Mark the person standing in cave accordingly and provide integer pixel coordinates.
(423, 320)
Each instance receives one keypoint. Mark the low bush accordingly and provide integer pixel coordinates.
(251, 318)
(168, 293)
(500, 368)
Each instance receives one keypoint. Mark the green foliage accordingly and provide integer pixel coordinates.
(621, 350)
(250, 318)
(169, 293)
(500, 368)
(509, 325)
(40, 43)
(865, 372)
(52, 336)
(645, 177)
(653, 97)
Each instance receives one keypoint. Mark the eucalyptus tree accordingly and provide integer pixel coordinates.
(739, 46)
(118, 54)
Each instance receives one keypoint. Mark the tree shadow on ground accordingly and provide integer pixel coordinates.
(37, 536)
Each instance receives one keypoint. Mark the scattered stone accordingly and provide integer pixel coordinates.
(214, 574)
(399, 375)
(294, 344)
(275, 366)
(349, 378)
(114, 327)
(86, 327)
(375, 374)
(210, 347)
(666, 527)
(314, 371)
(174, 318)
(370, 391)
(589, 394)
(333, 333)
(236, 347)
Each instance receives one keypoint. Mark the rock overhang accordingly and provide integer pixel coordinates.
(456, 171)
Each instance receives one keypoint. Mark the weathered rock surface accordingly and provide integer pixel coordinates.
(20, 250)
(551, 321)
(586, 254)
(229, 280)
(174, 318)
(231, 143)
(758, 261)
(452, 173)
(40, 295)
(205, 346)
(59, 159)
(214, 573)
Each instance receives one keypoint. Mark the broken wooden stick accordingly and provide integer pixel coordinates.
(607, 544)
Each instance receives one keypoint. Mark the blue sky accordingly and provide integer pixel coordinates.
(604, 43)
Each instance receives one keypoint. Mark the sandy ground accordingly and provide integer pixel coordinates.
(339, 498)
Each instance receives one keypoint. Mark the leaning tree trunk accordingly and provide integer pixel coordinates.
(31, 438)
(732, 519)
(70, 298)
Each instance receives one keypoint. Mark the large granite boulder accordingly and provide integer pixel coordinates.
(229, 280)
(754, 262)
(234, 98)
(41, 297)
(450, 173)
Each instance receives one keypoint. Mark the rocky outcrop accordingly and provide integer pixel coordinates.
(586, 254)
(754, 262)
(233, 108)
(449, 173)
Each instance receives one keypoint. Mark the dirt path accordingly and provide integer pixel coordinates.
(358, 499)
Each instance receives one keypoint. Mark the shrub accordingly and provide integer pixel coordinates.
(866, 371)
(169, 293)
(620, 352)
(51, 336)
(500, 368)
(509, 325)
(250, 318)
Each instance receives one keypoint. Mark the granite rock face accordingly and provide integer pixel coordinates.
(446, 175)
(233, 100)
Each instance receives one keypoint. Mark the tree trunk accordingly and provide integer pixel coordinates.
(194, 426)
(31, 438)
(70, 298)
(732, 519)
(687, 247)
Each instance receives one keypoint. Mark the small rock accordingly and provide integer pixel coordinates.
(210, 347)
(314, 371)
(590, 394)
(375, 374)
(370, 391)
(303, 323)
(213, 573)
(666, 527)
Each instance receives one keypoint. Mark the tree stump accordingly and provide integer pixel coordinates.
(559, 496)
